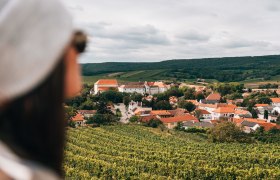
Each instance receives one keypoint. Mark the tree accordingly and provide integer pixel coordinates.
(264, 100)
(227, 132)
(134, 119)
(126, 101)
(102, 108)
(265, 115)
(189, 93)
(162, 105)
(104, 119)
(87, 105)
(174, 91)
(254, 113)
(186, 105)
(70, 112)
(154, 123)
(111, 95)
(137, 97)
(199, 96)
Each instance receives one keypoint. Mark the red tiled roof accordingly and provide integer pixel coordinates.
(147, 118)
(267, 126)
(275, 100)
(261, 105)
(224, 110)
(183, 118)
(240, 112)
(203, 111)
(214, 97)
(178, 112)
(78, 117)
(87, 111)
(160, 112)
(107, 82)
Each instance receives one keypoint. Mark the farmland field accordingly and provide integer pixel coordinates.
(137, 152)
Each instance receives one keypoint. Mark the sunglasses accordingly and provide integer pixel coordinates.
(79, 41)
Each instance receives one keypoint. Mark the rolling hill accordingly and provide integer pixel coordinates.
(222, 69)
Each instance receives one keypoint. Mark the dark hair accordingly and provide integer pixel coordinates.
(33, 126)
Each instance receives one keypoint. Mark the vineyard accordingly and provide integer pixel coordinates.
(136, 152)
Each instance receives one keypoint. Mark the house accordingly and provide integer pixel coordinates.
(142, 111)
(87, 113)
(147, 118)
(79, 119)
(249, 127)
(162, 87)
(172, 122)
(178, 112)
(240, 113)
(223, 112)
(134, 105)
(275, 102)
(133, 87)
(103, 85)
(205, 116)
(212, 98)
(161, 113)
(192, 124)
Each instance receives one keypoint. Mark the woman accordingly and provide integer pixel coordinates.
(38, 70)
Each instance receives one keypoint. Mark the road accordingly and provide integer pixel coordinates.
(125, 114)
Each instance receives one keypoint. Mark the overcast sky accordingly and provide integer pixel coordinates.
(156, 30)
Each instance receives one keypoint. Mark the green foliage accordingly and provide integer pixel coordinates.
(186, 105)
(228, 88)
(136, 97)
(268, 86)
(189, 93)
(162, 105)
(126, 100)
(227, 132)
(228, 69)
(174, 91)
(134, 119)
(154, 123)
(70, 112)
(112, 96)
(271, 136)
(137, 152)
(104, 119)
(102, 108)
(265, 114)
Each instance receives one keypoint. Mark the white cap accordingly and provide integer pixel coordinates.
(33, 35)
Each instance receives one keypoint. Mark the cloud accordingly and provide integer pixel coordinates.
(241, 43)
(193, 35)
(127, 30)
(145, 35)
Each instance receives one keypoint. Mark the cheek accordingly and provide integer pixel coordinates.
(72, 76)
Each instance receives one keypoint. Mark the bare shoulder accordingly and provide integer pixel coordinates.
(4, 176)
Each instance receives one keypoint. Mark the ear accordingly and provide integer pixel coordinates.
(72, 82)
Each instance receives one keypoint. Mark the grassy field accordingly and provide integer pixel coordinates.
(155, 75)
(137, 152)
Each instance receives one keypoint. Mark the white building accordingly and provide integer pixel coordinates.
(133, 89)
(104, 85)
(275, 102)
(223, 112)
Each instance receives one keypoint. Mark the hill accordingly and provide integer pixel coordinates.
(137, 152)
(225, 69)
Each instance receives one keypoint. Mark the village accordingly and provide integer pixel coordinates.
(190, 106)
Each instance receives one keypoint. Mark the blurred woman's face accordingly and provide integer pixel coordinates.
(73, 82)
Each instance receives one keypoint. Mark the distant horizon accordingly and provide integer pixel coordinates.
(178, 59)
